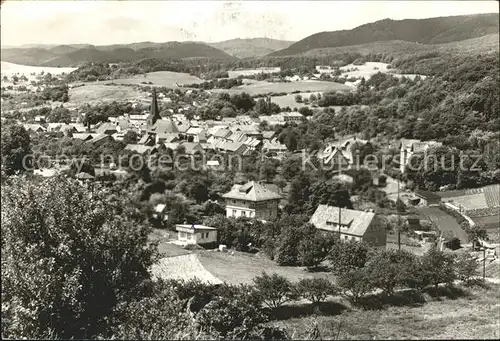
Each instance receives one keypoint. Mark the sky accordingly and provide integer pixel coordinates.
(118, 22)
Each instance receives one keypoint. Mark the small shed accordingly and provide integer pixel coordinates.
(196, 234)
(425, 198)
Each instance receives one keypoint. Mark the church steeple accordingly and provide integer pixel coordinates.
(155, 113)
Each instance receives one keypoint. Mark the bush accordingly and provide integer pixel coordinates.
(315, 290)
(274, 290)
(234, 314)
(465, 267)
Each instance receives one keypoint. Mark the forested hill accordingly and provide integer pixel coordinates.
(66, 55)
(427, 31)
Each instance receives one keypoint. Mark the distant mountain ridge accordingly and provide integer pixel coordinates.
(484, 44)
(252, 47)
(426, 31)
(74, 55)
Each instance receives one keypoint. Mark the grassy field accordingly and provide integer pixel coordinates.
(242, 267)
(249, 72)
(159, 78)
(263, 87)
(98, 92)
(473, 314)
(11, 68)
(289, 100)
(369, 69)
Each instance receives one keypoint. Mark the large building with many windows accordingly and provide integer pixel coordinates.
(252, 200)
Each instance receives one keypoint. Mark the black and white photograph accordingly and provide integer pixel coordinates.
(250, 170)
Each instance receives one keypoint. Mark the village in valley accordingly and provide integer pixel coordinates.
(269, 189)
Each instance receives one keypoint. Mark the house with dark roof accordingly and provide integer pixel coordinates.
(361, 226)
(252, 200)
(410, 148)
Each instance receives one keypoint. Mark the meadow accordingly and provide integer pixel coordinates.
(457, 314)
(371, 68)
(10, 69)
(263, 87)
(159, 78)
(249, 72)
(99, 92)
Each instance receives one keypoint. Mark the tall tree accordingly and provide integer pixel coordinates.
(68, 260)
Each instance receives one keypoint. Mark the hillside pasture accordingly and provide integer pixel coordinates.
(289, 100)
(369, 69)
(470, 315)
(251, 72)
(239, 267)
(10, 69)
(263, 87)
(159, 78)
(99, 92)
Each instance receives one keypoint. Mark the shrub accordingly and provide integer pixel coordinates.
(234, 314)
(274, 290)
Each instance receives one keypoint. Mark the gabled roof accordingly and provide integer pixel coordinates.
(357, 221)
(106, 127)
(139, 148)
(164, 126)
(428, 195)
(231, 146)
(251, 191)
(191, 147)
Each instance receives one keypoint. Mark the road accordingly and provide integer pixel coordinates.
(445, 223)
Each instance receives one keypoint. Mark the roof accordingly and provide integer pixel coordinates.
(99, 137)
(251, 191)
(357, 221)
(164, 126)
(194, 130)
(231, 146)
(83, 176)
(196, 227)
(191, 147)
(139, 148)
(106, 126)
(184, 267)
(159, 208)
(168, 137)
(427, 195)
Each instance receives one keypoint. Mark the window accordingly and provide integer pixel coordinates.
(346, 237)
(234, 213)
(244, 214)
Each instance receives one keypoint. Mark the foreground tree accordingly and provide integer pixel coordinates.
(389, 269)
(67, 260)
(347, 256)
(274, 290)
(315, 290)
(15, 146)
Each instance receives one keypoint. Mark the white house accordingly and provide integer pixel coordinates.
(252, 200)
(196, 234)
